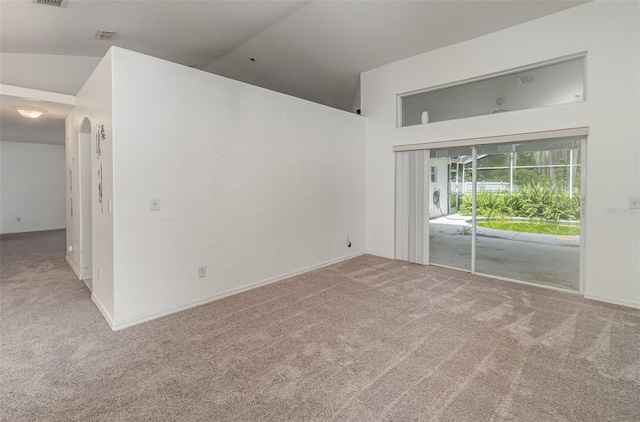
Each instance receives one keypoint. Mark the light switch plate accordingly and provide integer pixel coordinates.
(634, 203)
(154, 204)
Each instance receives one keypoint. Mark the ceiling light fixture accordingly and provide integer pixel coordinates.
(30, 112)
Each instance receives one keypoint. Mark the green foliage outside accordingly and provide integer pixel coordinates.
(532, 201)
(567, 229)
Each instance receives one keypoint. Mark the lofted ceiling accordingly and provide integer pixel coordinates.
(309, 49)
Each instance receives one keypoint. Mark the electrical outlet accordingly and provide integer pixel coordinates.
(70, 248)
(202, 271)
(634, 203)
(154, 204)
(17, 219)
(348, 242)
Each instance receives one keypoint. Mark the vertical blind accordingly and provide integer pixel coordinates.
(411, 207)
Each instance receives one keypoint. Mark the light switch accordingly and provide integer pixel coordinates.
(155, 204)
(634, 203)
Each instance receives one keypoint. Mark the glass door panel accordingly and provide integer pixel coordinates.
(528, 211)
(450, 207)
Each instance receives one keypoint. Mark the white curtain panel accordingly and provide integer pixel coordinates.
(411, 206)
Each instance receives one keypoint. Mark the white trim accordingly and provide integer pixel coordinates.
(82, 275)
(599, 298)
(144, 318)
(103, 311)
(36, 229)
(380, 254)
(73, 267)
(87, 274)
(90, 288)
(498, 139)
(37, 94)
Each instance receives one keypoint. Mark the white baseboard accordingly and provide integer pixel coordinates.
(613, 301)
(381, 255)
(103, 311)
(86, 274)
(31, 230)
(86, 283)
(144, 318)
(73, 267)
(80, 274)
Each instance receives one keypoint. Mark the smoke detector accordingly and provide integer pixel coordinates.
(105, 35)
(50, 2)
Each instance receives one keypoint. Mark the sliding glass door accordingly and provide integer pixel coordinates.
(527, 210)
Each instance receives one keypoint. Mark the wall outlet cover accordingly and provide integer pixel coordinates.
(634, 203)
(202, 271)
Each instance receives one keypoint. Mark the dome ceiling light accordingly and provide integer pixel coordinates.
(30, 112)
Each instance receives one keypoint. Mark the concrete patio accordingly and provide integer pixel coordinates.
(552, 260)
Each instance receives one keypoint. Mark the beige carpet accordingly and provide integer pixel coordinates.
(369, 339)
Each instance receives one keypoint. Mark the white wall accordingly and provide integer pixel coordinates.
(32, 187)
(253, 184)
(93, 102)
(609, 32)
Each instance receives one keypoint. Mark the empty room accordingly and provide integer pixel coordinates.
(320, 210)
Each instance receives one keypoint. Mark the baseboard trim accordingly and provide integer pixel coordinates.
(90, 287)
(86, 275)
(103, 311)
(73, 267)
(35, 230)
(381, 255)
(144, 318)
(613, 301)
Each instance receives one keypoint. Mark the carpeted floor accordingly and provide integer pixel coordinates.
(369, 339)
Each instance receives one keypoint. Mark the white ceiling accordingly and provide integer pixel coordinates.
(309, 49)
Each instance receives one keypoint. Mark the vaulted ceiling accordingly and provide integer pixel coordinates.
(309, 49)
